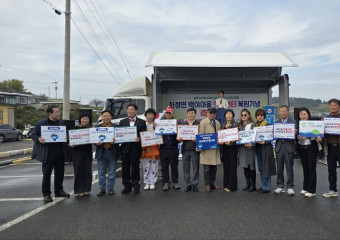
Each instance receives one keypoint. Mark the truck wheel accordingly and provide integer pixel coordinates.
(2, 138)
(19, 137)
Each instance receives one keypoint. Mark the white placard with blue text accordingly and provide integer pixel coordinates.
(166, 127)
(332, 125)
(264, 133)
(311, 128)
(101, 134)
(53, 133)
(284, 131)
(247, 136)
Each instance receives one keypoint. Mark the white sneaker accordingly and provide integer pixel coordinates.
(147, 186)
(290, 192)
(330, 194)
(152, 187)
(310, 194)
(279, 190)
(303, 192)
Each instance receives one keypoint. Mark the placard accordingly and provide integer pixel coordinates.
(149, 138)
(247, 136)
(227, 135)
(264, 133)
(79, 136)
(284, 131)
(311, 129)
(187, 132)
(332, 125)
(101, 134)
(166, 127)
(125, 134)
(206, 141)
(53, 133)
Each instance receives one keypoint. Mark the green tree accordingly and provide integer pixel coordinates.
(12, 85)
(29, 115)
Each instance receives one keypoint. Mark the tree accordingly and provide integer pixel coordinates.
(12, 85)
(29, 115)
(96, 102)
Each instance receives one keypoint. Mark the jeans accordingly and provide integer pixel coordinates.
(266, 181)
(108, 162)
(193, 157)
(209, 174)
(332, 158)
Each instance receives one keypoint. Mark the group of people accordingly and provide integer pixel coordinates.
(52, 155)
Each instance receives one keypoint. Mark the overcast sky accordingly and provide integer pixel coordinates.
(32, 40)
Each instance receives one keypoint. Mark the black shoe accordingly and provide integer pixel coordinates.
(263, 191)
(101, 193)
(48, 199)
(126, 190)
(110, 192)
(136, 190)
(62, 194)
(251, 189)
(195, 188)
(187, 188)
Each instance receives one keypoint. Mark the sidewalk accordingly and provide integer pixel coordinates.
(16, 152)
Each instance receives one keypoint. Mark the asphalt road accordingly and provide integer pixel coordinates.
(164, 215)
(16, 145)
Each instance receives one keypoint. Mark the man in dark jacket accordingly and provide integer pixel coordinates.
(131, 152)
(169, 155)
(52, 156)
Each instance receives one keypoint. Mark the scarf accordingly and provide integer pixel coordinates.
(261, 124)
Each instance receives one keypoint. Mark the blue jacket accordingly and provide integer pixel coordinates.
(40, 151)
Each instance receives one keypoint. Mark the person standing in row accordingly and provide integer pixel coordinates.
(52, 156)
(285, 149)
(169, 156)
(82, 162)
(106, 155)
(230, 151)
(221, 105)
(150, 154)
(332, 150)
(308, 150)
(131, 152)
(189, 154)
(247, 152)
(210, 158)
(264, 155)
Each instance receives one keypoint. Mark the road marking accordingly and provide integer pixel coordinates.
(39, 209)
(19, 199)
(32, 176)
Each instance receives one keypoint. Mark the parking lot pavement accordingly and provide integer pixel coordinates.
(16, 145)
(166, 215)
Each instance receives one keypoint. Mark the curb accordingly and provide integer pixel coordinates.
(16, 152)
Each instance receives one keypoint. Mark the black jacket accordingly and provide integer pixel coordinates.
(132, 146)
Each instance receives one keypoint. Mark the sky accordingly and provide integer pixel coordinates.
(32, 40)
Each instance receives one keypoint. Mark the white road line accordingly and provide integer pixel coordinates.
(19, 199)
(39, 209)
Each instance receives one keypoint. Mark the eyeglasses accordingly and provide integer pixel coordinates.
(244, 115)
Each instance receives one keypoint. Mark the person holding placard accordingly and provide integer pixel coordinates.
(332, 150)
(285, 149)
(189, 154)
(52, 155)
(247, 152)
(106, 154)
(264, 155)
(82, 162)
(308, 150)
(221, 105)
(150, 154)
(230, 151)
(131, 152)
(210, 158)
(169, 156)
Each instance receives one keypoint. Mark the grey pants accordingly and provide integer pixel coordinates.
(193, 157)
(209, 174)
(284, 158)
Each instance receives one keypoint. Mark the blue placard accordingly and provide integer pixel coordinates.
(270, 110)
(206, 141)
(270, 119)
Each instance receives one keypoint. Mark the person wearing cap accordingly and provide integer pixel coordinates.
(221, 105)
(106, 155)
(210, 158)
(82, 161)
(131, 152)
(169, 156)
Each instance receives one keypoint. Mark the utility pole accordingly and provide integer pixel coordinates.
(66, 98)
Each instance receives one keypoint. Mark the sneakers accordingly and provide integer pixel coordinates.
(62, 194)
(290, 192)
(330, 194)
(308, 194)
(176, 186)
(303, 192)
(279, 190)
(48, 199)
(147, 186)
(166, 187)
(152, 187)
